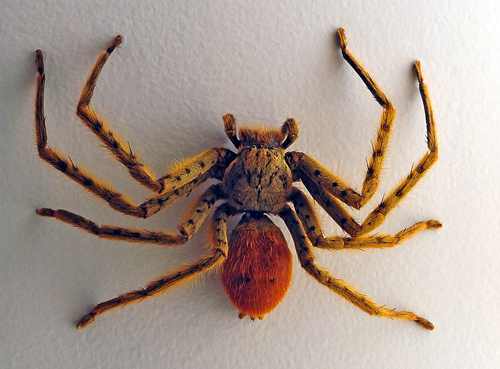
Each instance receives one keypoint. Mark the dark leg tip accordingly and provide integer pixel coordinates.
(117, 41)
(39, 61)
(45, 212)
(424, 323)
(85, 321)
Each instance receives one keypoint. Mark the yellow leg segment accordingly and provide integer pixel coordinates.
(306, 256)
(218, 254)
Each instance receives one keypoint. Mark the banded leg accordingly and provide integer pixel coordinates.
(187, 228)
(306, 257)
(218, 254)
(183, 173)
(313, 230)
(332, 206)
(180, 181)
(114, 232)
(307, 166)
(116, 200)
(371, 181)
(122, 152)
(378, 215)
(379, 241)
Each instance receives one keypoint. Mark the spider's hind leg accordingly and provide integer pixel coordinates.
(307, 260)
(219, 250)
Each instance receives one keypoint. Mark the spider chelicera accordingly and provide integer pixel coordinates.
(257, 180)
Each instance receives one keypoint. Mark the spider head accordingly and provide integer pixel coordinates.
(269, 137)
(260, 136)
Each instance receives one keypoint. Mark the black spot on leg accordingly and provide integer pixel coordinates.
(97, 126)
(399, 193)
(114, 144)
(334, 184)
(190, 221)
(379, 153)
(178, 178)
(188, 170)
(202, 164)
(343, 221)
(62, 166)
(317, 172)
(117, 231)
(142, 293)
(343, 193)
(370, 172)
(88, 182)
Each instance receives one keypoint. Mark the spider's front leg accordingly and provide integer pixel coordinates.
(218, 253)
(307, 260)
(89, 117)
(334, 185)
(321, 183)
(177, 183)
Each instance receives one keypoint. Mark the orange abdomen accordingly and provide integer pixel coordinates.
(258, 269)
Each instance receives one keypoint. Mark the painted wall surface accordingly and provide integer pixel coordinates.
(181, 67)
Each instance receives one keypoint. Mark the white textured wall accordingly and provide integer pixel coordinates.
(183, 65)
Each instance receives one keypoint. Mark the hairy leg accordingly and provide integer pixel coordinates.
(216, 257)
(306, 256)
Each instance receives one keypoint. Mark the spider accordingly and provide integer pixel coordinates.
(256, 262)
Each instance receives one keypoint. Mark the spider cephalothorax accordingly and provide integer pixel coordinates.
(258, 179)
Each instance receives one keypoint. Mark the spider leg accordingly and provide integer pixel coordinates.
(312, 227)
(122, 152)
(378, 215)
(89, 117)
(217, 256)
(371, 181)
(188, 228)
(329, 203)
(116, 200)
(114, 232)
(316, 176)
(307, 166)
(306, 256)
(178, 182)
(378, 241)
